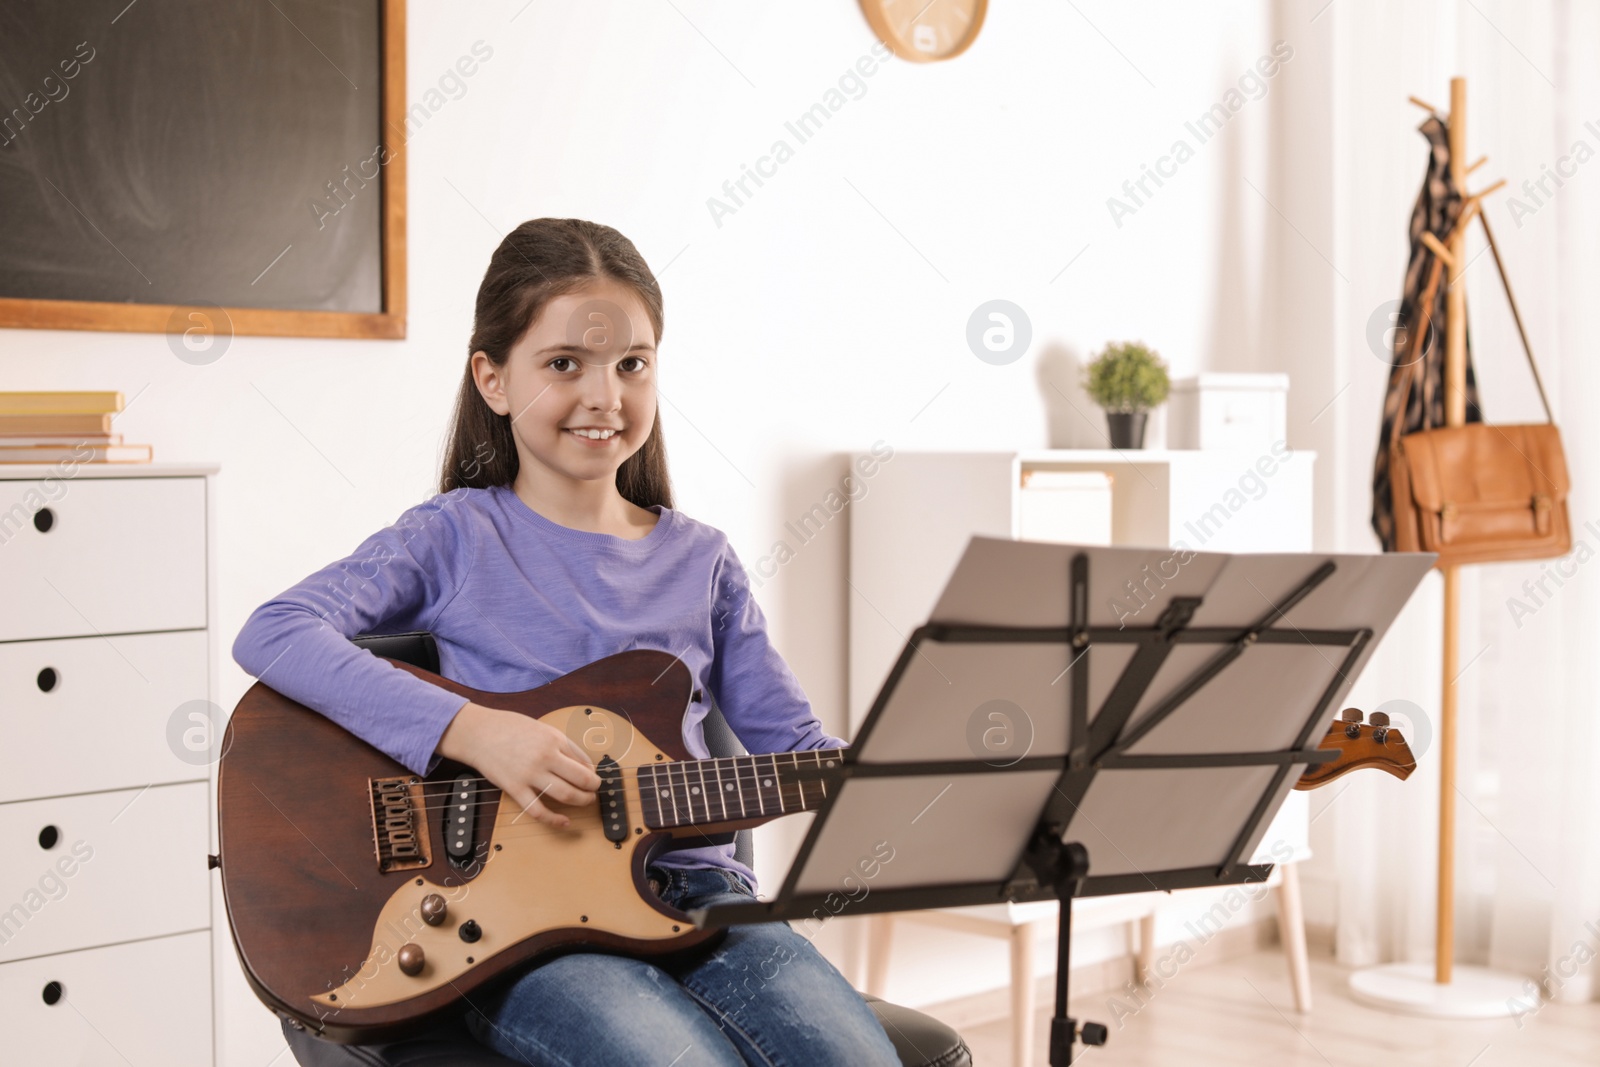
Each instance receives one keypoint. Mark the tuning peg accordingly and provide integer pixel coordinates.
(1380, 727)
(1351, 717)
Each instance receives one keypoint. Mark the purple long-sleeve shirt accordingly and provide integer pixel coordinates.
(514, 601)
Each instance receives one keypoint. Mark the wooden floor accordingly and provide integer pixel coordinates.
(1240, 1011)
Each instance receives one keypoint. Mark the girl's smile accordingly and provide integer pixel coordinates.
(594, 437)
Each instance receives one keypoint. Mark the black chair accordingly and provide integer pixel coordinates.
(920, 1040)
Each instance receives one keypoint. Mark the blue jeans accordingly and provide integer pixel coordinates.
(764, 997)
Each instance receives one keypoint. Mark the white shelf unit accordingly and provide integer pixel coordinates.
(908, 531)
(105, 811)
(920, 509)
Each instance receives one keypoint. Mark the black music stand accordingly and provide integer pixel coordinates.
(1158, 765)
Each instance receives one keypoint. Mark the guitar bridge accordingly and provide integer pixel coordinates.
(399, 835)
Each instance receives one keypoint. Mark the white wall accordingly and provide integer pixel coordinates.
(827, 312)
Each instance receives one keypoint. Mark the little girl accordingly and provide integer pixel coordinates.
(553, 543)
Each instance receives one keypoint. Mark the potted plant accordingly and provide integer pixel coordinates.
(1127, 379)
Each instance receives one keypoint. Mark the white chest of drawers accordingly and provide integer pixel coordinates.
(107, 710)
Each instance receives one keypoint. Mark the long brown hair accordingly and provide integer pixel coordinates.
(540, 260)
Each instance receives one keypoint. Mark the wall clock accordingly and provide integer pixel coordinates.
(925, 30)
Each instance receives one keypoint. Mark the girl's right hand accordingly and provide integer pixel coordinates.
(532, 762)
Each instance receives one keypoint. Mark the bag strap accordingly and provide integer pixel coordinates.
(1516, 315)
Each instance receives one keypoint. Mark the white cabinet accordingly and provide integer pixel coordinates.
(908, 532)
(106, 668)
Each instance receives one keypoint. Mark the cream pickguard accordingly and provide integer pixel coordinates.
(527, 886)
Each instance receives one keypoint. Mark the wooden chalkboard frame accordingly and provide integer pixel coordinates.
(388, 324)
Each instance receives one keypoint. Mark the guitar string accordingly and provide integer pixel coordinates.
(512, 828)
(678, 776)
(679, 783)
(817, 756)
(674, 779)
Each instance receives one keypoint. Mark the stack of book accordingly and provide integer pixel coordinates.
(72, 427)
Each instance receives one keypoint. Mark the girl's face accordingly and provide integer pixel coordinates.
(580, 385)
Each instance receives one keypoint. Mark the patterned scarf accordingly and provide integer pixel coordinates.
(1435, 212)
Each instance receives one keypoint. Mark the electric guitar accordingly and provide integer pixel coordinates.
(364, 899)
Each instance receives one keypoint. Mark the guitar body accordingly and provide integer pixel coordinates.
(320, 924)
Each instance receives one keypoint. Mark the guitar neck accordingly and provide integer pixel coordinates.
(732, 788)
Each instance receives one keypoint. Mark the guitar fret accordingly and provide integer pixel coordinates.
(688, 794)
(800, 783)
(644, 796)
(722, 790)
(777, 783)
(738, 787)
(672, 791)
(648, 798)
(660, 801)
(705, 800)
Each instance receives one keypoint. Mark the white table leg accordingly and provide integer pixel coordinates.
(1146, 957)
(1292, 932)
(1022, 994)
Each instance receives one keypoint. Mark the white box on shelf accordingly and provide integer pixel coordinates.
(1227, 411)
(1068, 506)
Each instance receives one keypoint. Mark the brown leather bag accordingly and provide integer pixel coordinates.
(1479, 493)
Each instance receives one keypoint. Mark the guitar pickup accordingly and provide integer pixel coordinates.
(613, 800)
(461, 819)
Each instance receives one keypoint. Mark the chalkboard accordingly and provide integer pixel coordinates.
(162, 155)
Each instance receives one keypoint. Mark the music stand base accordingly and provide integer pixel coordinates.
(1410, 989)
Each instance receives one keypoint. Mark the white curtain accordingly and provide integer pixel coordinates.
(1528, 773)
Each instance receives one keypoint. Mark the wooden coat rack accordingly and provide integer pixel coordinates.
(1446, 990)
(1453, 253)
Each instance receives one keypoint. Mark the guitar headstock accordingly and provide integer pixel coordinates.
(1371, 743)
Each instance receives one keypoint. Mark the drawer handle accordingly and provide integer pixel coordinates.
(47, 679)
(52, 992)
(43, 519)
(48, 837)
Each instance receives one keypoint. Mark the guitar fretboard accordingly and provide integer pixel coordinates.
(694, 792)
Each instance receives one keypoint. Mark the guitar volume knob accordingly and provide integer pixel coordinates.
(411, 959)
(434, 909)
